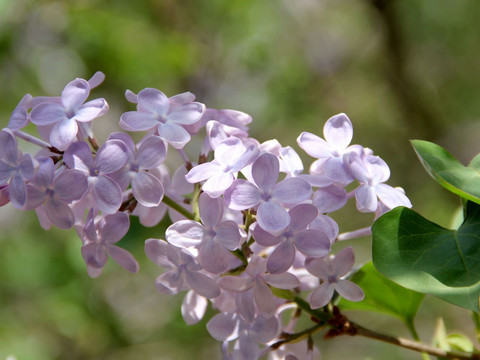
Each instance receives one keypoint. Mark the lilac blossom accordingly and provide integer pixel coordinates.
(109, 158)
(331, 270)
(146, 188)
(230, 157)
(99, 237)
(55, 190)
(338, 132)
(371, 171)
(227, 327)
(193, 307)
(183, 272)
(267, 194)
(20, 117)
(154, 112)
(310, 242)
(214, 239)
(15, 168)
(63, 117)
(257, 279)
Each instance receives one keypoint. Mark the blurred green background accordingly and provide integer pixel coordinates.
(400, 70)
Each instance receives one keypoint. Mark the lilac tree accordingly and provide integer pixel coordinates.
(253, 234)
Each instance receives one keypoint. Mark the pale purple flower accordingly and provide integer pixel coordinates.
(15, 168)
(338, 132)
(230, 157)
(183, 272)
(109, 158)
(295, 236)
(214, 239)
(257, 279)
(155, 112)
(99, 238)
(267, 194)
(227, 327)
(331, 270)
(20, 117)
(326, 224)
(193, 307)
(371, 171)
(55, 190)
(329, 198)
(64, 117)
(146, 188)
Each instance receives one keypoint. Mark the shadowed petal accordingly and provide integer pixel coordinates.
(321, 295)
(265, 171)
(123, 258)
(272, 217)
(281, 258)
(349, 290)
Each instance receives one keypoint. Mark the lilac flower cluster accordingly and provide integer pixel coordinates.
(246, 225)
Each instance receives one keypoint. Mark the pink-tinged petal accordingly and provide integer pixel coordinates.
(59, 213)
(217, 184)
(234, 283)
(282, 281)
(282, 258)
(263, 237)
(213, 257)
(264, 298)
(349, 290)
(147, 189)
(228, 235)
(211, 210)
(91, 110)
(314, 145)
(18, 191)
(327, 225)
(301, 215)
(202, 172)
(170, 282)
(272, 216)
(138, 121)
(94, 256)
(366, 198)
(185, 233)
(114, 227)
(63, 133)
(107, 193)
(193, 308)
(292, 191)
(47, 113)
(79, 156)
(223, 327)
(70, 185)
(265, 171)
(264, 329)
(343, 262)
(186, 114)
(242, 195)
(202, 284)
(314, 243)
(174, 134)
(153, 101)
(111, 156)
(330, 198)
(123, 258)
(391, 197)
(152, 152)
(338, 131)
(162, 253)
(75, 94)
(8, 146)
(321, 296)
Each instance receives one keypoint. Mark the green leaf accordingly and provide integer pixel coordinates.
(383, 296)
(448, 171)
(423, 256)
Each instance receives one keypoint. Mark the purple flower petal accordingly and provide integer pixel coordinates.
(153, 101)
(314, 145)
(70, 185)
(123, 258)
(174, 134)
(202, 284)
(202, 172)
(282, 258)
(17, 190)
(338, 131)
(265, 171)
(75, 94)
(314, 243)
(223, 327)
(349, 290)
(211, 210)
(47, 113)
(228, 234)
(272, 217)
(186, 114)
(111, 156)
(185, 233)
(193, 307)
(162, 253)
(292, 191)
(391, 197)
(366, 198)
(282, 281)
(138, 121)
(213, 257)
(152, 152)
(301, 215)
(147, 189)
(114, 227)
(107, 193)
(64, 132)
(321, 295)
(94, 256)
(264, 298)
(330, 198)
(91, 110)
(59, 213)
(242, 195)
(234, 283)
(79, 156)
(343, 262)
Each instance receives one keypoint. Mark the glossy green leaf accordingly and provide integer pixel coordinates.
(448, 171)
(383, 296)
(423, 256)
